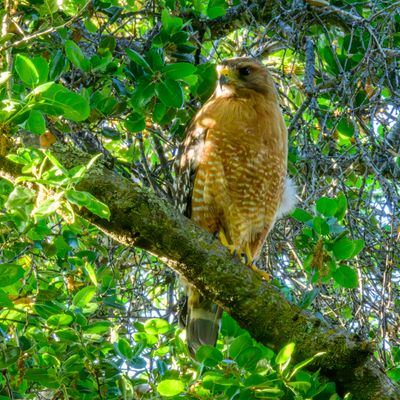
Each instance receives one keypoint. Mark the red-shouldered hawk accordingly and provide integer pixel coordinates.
(231, 178)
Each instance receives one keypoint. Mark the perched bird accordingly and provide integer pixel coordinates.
(231, 178)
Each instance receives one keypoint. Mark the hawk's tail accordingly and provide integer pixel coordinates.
(202, 320)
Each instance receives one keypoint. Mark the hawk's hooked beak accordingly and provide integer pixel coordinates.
(225, 74)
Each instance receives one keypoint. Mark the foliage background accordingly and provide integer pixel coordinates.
(84, 317)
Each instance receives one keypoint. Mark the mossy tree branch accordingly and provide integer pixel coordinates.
(140, 218)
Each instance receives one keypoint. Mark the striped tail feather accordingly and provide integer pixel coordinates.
(202, 320)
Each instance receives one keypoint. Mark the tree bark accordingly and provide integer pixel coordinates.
(140, 218)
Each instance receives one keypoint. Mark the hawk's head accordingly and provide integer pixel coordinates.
(239, 75)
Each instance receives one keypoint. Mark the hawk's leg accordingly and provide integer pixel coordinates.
(224, 241)
(249, 261)
(245, 256)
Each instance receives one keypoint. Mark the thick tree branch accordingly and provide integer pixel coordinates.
(140, 218)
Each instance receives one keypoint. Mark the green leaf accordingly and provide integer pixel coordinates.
(84, 296)
(44, 376)
(57, 100)
(26, 70)
(216, 8)
(10, 273)
(170, 93)
(138, 363)
(91, 273)
(170, 387)
(90, 26)
(155, 57)
(57, 65)
(138, 59)
(60, 319)
(47, 310)
(343, 248)
(72, 7)
(240, 344)
(300, 385)
(285, 354)
(56, 163)
(358, 246)
(67, 335)
(85, 199)
(73, 363)
(74, 106)
(215, 377)
(20, 197)
(143, 94)
(346, 277)
(46, 208)
(209, 356)
(156, 326)
(320, 226)
(346, 127)
(178, 70)
(249, 358)
(42, 67)
(135, 122)
(326, 206)
(159, 112)
(394, 374)
(36, 122)
(125, 348)
(308, 297)
(269, 393)
(341, 206)
(148, 340)
(301, 215)
(100, 327)
(8, 356)
(302, 364)
(75, 55)
(5, 300)
(170, 23)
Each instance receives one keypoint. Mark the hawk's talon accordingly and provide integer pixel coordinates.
(263, 274)
(224, 241)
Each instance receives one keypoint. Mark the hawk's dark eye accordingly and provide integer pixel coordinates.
(244, 71)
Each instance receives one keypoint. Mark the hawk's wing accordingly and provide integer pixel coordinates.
(189, 157)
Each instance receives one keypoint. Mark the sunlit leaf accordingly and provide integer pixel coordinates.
(60, 319)
(156, 326)
(46, 208)
(84, 296)
(10, 273)
(285, 353)
(170, 387)
(26, 70)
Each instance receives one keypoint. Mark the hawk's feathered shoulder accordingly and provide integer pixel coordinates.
(188, 159)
